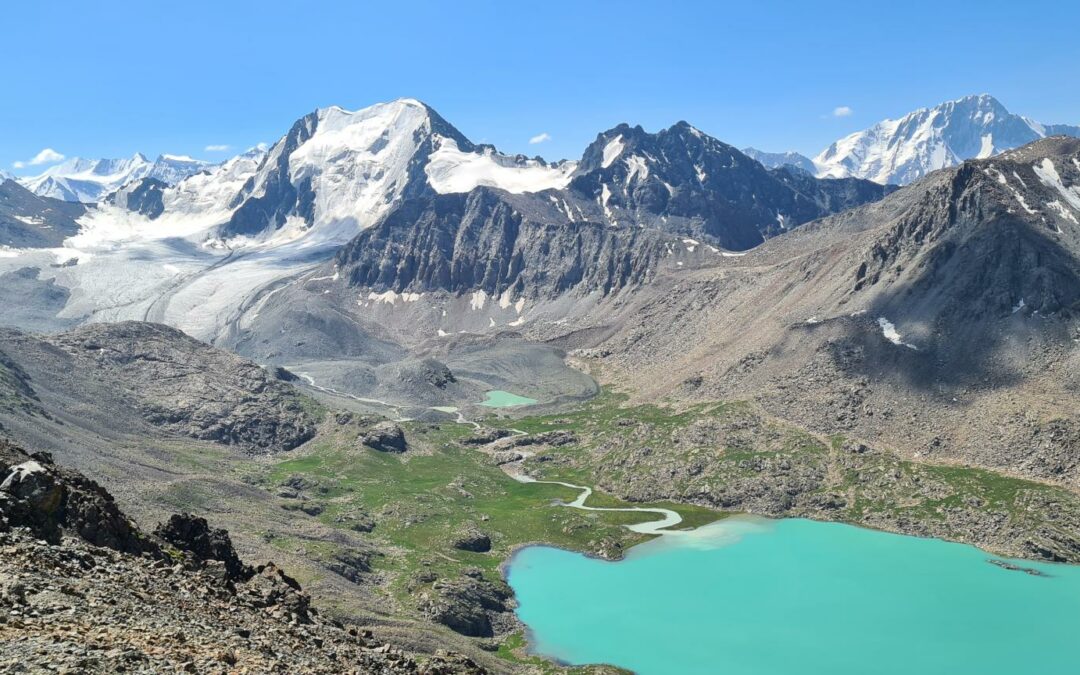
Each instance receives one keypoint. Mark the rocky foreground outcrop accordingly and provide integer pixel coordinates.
(82, 589)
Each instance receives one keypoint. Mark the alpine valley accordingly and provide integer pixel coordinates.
(386, 358)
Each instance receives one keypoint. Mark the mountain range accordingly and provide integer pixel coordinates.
(364, 243)
(89, 180)
(301, 340)
(904, 150)
(896, 151)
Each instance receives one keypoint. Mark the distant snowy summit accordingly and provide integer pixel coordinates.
(90, 180)
(775, 160)
(904, 150)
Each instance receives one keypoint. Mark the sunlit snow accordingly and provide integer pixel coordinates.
(452, 170)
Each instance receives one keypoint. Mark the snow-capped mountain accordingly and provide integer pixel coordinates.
(89, 180)
(204, 254)
(775, 160)
(686, 182)
(337, 171)
(904, 150)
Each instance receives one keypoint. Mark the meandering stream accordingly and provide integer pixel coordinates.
(668, 518)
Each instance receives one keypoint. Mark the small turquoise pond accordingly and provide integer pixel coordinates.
(504, 399)
(749, 596)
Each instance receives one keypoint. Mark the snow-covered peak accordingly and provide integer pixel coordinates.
(774, 160)
(906, 149)
(209, 192)
(337, 171)
(356, 163)
(89, 180)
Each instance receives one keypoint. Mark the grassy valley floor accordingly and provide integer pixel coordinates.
(444, 516)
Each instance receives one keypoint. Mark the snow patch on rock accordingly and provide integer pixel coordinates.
(891, 334)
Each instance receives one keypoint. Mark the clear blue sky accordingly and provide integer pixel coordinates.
(108, 78)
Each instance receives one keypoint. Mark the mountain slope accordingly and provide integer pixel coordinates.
(179, 599)
(30, 221)
(940, 321)
(904, 150)
(488, 241)
(685, 182)
(138, 378)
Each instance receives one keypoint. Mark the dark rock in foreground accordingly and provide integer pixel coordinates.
(83, 590)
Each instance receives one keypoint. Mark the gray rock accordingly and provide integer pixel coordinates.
(385, 437)
(472, 540)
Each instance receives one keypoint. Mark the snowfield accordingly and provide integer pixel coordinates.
(180, 270)
(450, 170)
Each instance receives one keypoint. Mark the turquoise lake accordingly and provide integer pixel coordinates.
(504, 399)
(750, 596)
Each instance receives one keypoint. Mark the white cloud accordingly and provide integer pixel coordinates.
(217, 148)
(540, 138)
(262, 145)
(46, 156)
(842, 111)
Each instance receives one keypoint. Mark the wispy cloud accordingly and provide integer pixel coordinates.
(842, 111)
(46, 156)
(262, 145)
(540, 138)
(217, 148)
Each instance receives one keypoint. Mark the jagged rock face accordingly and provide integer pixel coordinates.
(997, 236)
(168, 380)
(321, 163)
(30, 221)
(467, 605)
(279, 197)
(50, 500)
(491, 241)
(630, 198)
(683, 181)
(194, 535)
(144, 196)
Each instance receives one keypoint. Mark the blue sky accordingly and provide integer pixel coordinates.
(100, 79)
